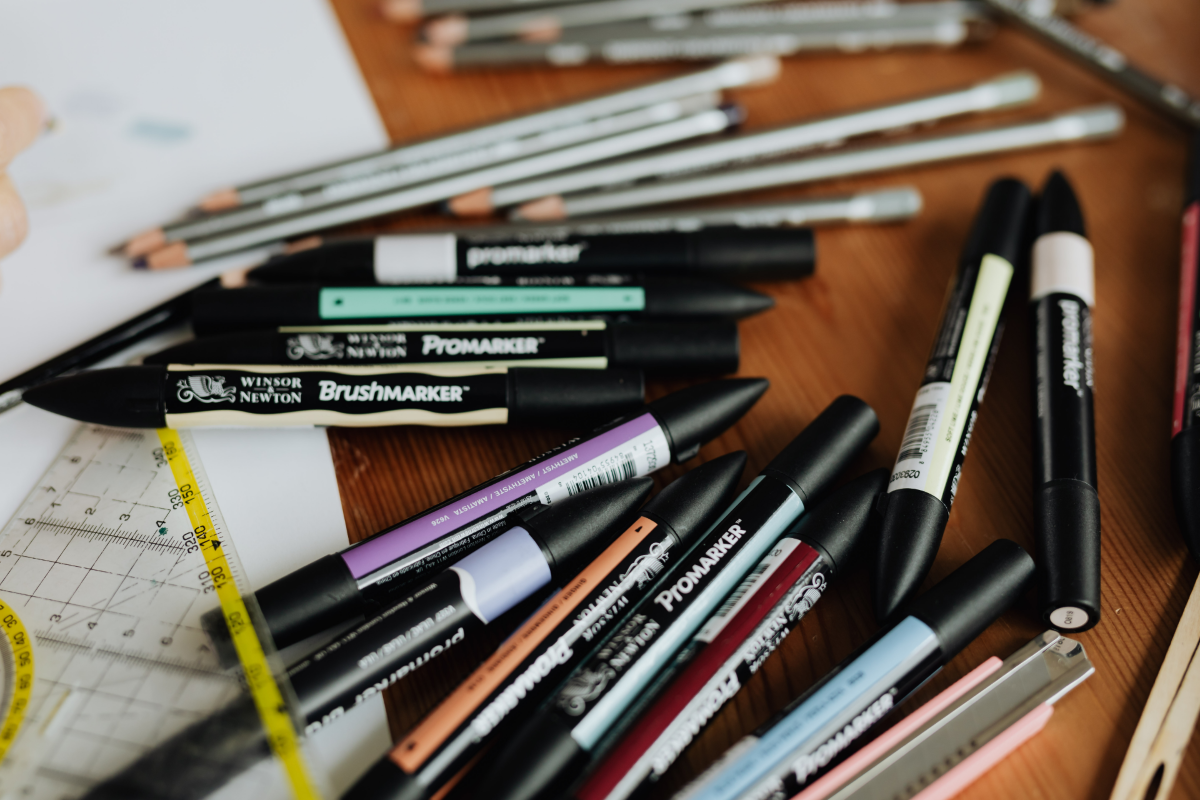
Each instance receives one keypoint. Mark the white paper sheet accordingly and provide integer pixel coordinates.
(156, 105)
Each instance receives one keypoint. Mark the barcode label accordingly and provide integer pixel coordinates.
(625, 470)
(920, 437)
(746, 589)
(914, 444)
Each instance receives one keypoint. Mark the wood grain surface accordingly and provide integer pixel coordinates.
(863, 325)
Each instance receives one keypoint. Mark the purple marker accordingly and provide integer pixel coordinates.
(375, 572)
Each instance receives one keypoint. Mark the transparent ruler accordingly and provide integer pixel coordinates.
(103, 568)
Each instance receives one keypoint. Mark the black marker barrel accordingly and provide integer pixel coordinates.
(372, 573)
(181, 396)
(548, 544)
(258, 307)
(925, 478)
(721, 252)
(664, 348)
(1066, 503)
(1185, 441)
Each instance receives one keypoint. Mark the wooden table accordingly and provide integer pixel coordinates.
(863, 325)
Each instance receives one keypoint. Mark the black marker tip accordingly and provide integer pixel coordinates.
(688, 504)
(124, 397)
(913, 524)
(693, 416)
(847, 519)
(559, 759)
(1058, 208)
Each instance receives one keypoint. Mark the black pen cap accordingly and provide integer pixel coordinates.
(254, 307)
(693, 502)
(1058, 208)
(257, 347)
(698, 414)
(1191, 192)
(675, 348)
(755, 253)
(351, 260)
(703, 299)
(845, 520)
(124, 397)
(573, 530)
(999, 226)
(811, 462)
(573, 397)
(973, 596)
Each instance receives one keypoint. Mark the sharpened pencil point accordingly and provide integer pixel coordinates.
(145, 243)
(220, 201)
(472, 204)
(449, 30)
(546, 29)
(300, 245)
(139, 263)
(170, 257)
(234, 278)
(402, 11)
(434, 58)
(545, 208)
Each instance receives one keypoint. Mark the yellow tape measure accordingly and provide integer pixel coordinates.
(267, 695)
(22, 675)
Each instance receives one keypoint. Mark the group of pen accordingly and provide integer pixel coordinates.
(665, 612)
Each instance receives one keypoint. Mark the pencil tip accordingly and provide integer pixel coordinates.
(145, 243)
(545, 29)
(544, 209)
(472, 204)
(448, 30)
(402, 11)
(220, 201)
(172, 256)
(235, 278)
(140, 263)
(434, 58)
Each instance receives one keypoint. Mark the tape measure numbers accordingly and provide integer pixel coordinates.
(18, 676)
(265, 691)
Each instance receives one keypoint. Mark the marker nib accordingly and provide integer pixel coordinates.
(913, 523)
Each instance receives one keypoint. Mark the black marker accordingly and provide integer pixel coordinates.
(726, 252)
(667, 348)
(1185, 433)
(1066, 503)
(258, 307)
(543, 545)
(183, 396)
(372, 573)
(926, 474)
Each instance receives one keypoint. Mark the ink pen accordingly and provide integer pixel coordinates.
(545, 544)
(529, 664)
(723, 252)
(732, 646)
(372, 573)
(1066, 503)
(558, 742)
(1185, 434)
(188, 396)
(929, 463)
(666, 348)
(258, 307)
(844, 710)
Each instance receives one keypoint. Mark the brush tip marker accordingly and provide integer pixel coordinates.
(176, 396)
(1185, 440)
(1066, 502)
(928, 466)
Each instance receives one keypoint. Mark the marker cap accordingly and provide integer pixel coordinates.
(1067, 515)
(703, 299)
(758, 253)
(230, 348)
(572, 531)
(812, 461)
(1000, 224)
(971, 598)
(1185, 485)
(675, 348)
(698, 414)
(844, 520)
(1192, 190)
(124, 397)
(692, 502)
(1058, 208)
(571, 397)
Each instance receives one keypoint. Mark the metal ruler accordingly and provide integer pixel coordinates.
(109, 564)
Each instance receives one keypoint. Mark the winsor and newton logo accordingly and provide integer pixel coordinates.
(496, 346)
(314, 347)
(373, 392)
(206, 389)
(270, 389)
(544, 253)
(692, 578)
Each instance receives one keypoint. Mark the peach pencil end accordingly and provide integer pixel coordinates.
(434, 58)
(307, 243)
(472, 204)
(235, 278)
(542, 209)
(401, 11)
(220, 201)
(449, 30)
(545, 29)
(172, 256)
(144, 243)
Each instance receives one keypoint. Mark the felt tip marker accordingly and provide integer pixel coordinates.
(1066, 503)
(373, 572)
(844, 710)
(671, 348)
(188, 396)
(732, 646)
(507, 687)
(558, 742)
(547, 543)
(729, 252)
(1185, 435)
(926, 475)
(257, 307)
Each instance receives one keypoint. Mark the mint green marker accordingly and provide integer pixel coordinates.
(223, 310)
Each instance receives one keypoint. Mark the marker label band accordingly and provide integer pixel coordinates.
(551, 348)
(420, 301)
(939, 426)
(1186, 369)
(416, 258)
